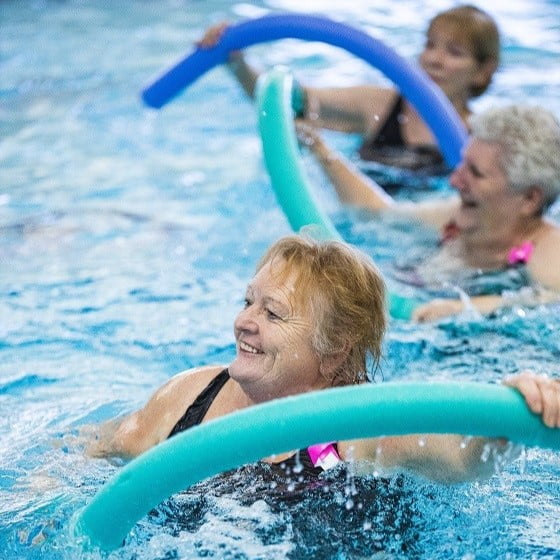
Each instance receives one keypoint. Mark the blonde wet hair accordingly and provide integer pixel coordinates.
(480, 32)
(529, 138)
(346, 296)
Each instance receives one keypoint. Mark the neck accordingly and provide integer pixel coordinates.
(248, 394)
(461, 105)
(491, 251)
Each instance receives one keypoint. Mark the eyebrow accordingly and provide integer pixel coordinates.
(269, 300)
(279, 305)
(475, 169)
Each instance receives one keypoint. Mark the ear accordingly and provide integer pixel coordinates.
(330, 363)
(533, 201)
(485, 73)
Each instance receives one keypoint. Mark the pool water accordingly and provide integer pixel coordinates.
(127, 237)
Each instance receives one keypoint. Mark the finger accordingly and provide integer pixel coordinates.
(212, 36)
(526, 384)
(550, 391)
(419, 315)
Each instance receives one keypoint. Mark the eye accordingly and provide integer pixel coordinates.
(246, 303)
(272, 316)
(458, 50)
(476, 172)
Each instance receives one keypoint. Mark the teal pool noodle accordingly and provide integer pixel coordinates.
(287, 174)
(246, 436)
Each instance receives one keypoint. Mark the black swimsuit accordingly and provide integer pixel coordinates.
(313, 509)
(389, 148)
(196, 412)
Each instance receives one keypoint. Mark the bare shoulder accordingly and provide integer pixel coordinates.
(170, 401)
(544, 265)
(152, 423)
(190, 381)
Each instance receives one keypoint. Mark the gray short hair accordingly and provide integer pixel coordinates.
(530, 140)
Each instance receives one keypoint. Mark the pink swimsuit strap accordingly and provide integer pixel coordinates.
(324, 455)
(520, 254)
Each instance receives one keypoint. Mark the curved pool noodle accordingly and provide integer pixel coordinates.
(414, 84)
(339, 414)
(288, 177)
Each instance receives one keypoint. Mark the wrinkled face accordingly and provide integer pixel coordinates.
(450, 62)
(273, 334)
(487, 200)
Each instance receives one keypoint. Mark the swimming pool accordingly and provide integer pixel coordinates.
(126, 240)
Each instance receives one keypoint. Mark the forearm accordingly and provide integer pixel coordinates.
(459, 459)
(245, 74)
(352, 186)
(447, 459)
(446, 307)
(101, 441)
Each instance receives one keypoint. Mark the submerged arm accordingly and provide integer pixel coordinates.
(544, 268)
(439, 457)
(139, 431)
(445, 307)
(455, 458)
(245, 74)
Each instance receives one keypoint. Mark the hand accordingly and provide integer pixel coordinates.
(437, 309)
(212, 36)
(541, 393)
(306, 133)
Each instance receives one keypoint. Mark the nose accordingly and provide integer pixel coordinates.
(456, 179)
(246, 320)
(432, 57)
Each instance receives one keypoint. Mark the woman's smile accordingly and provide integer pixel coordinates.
(245, 347)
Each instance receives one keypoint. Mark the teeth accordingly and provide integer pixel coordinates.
(247, 348)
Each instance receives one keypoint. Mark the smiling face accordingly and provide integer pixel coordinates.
(450, 62)
(488, 204)
(275, 356)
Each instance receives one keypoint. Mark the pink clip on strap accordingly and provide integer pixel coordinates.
(323, 455)
(521, 254)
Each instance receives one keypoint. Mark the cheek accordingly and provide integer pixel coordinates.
(468, 70)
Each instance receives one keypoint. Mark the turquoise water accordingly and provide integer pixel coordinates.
(126, 240)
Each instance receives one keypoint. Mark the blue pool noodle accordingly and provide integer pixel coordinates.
(414, 84)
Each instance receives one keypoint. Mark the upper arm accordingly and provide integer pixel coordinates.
(350, 109)
(151, 424)
(544, 265)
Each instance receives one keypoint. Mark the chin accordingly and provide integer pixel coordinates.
(238, 370)
(465, 219)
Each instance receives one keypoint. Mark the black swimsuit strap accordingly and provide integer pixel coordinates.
(198, 409)
(389, 134)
